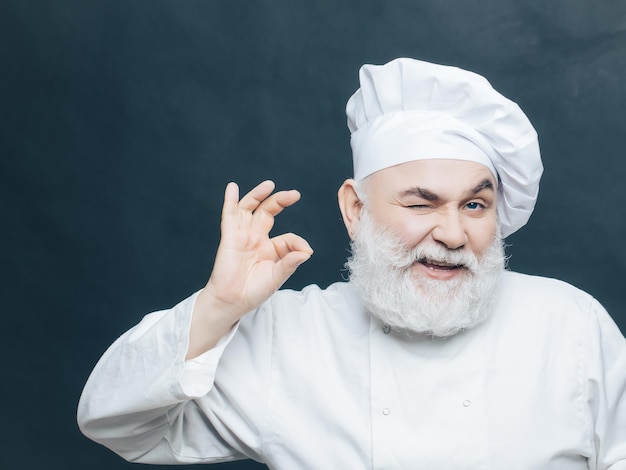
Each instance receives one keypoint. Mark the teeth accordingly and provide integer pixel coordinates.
(439, 264)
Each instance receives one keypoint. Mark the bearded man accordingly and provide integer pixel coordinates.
(432, 356)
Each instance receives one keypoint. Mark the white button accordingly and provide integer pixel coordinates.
(386, 329)
(467, 403)
(386, 411)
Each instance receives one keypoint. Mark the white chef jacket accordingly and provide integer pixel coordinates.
(311, 381)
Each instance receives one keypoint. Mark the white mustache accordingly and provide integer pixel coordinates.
(438, 255)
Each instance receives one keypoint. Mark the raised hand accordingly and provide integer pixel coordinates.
(249, 265)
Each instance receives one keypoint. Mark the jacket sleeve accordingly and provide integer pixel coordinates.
(606, 390)
(144, 402)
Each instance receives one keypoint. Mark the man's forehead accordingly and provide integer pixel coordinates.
(436, 174)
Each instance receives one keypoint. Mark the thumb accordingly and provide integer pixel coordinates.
(289, 263)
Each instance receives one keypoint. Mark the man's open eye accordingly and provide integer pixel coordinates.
(474, 205)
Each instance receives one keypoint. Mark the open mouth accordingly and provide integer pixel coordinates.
(439, 265)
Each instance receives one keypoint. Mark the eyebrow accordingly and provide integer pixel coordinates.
(431, 196)
(485, 184)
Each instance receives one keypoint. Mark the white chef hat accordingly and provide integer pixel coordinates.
(410, 110)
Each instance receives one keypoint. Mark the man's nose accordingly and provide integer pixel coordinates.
(449, 230)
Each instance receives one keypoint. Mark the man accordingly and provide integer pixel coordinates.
(431, 357)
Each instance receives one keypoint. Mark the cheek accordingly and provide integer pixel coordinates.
(412, 230)
(480, 235)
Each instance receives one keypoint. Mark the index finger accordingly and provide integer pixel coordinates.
(256, 195)
(275, 204)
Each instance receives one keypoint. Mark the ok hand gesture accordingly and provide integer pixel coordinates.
(249, 265)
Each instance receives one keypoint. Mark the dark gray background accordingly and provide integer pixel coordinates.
(122, 121)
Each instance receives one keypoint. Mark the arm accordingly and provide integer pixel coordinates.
(606, 390)
(147, 397)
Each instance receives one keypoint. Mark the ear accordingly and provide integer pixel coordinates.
(350, 206)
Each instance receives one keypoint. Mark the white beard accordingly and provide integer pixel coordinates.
(380, 270)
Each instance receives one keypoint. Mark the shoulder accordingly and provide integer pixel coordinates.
(544, 293)
(313, 296)
(551, 318)
(337, 303)
(306, 321)
(546, 305)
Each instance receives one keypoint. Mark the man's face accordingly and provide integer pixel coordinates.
(427, 255)
(448, 203)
